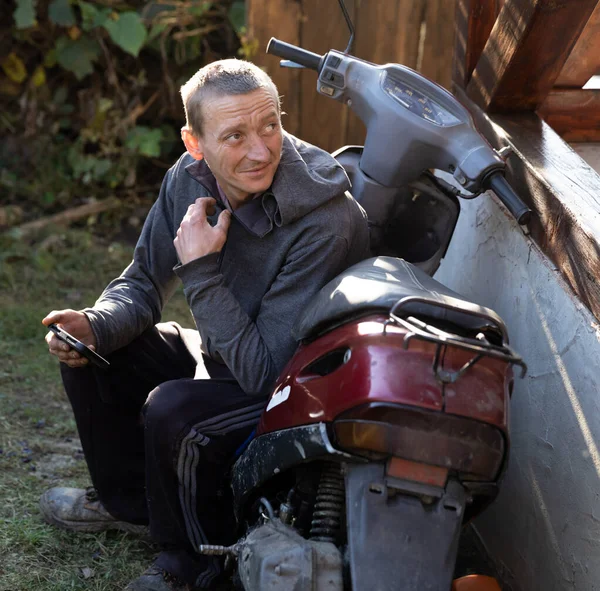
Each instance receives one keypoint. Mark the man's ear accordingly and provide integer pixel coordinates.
(192, 144)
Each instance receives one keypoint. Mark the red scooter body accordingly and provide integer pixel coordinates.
(366, 362)
(380, 369)
(422, 383)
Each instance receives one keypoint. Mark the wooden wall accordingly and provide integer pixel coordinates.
(415, 33)
(535, 55)
(517, 60)
(572, 112)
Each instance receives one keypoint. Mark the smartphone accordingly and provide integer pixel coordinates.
(78, 346)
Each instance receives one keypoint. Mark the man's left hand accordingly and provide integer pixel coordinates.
(196, 237)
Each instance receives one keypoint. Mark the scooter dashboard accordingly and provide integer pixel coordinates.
(419, 104)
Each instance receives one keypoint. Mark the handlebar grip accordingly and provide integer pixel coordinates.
(296, 54)
(497, 183)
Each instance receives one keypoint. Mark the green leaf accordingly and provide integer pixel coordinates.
(104, 105)
(88, 14)
(50, 59)
(100, 167)
(200, 9)
(102, 17)
(87, 167)
(24, 14)
(155, 31)
(77, 56)
(128, 32)
(48, 198)
(14, 68)
(92, 17)
(145, 141)
(237, 15)
(38, 78)
(61, 13)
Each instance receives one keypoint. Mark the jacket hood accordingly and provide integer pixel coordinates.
(306, 178)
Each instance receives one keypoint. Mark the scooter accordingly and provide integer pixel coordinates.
(388, 429)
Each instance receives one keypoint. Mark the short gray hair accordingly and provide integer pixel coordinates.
(220, 78)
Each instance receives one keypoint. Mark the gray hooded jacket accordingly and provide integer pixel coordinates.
(281, 249)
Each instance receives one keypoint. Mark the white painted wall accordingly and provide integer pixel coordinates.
(545, 525)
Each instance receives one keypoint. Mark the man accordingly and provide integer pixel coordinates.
(253, 222)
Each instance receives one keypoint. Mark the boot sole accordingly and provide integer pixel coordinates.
(91, 526)
(96, 527)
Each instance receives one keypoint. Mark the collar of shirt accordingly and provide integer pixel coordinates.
(223, 197)
(252, 214)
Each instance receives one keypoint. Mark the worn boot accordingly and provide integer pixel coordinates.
(80, 510)
(156, 579)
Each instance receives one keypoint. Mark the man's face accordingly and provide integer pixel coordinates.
(241, 142)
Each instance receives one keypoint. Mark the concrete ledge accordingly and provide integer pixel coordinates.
(545, 526)
(562, 190)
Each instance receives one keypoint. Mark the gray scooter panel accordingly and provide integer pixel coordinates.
(397, 542)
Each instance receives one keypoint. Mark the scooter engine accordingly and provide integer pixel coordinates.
(273, 556)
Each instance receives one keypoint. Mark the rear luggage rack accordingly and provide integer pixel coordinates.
(417, 329)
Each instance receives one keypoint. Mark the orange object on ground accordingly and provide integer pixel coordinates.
(475, 583)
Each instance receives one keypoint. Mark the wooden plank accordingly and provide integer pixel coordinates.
(573, 113)
(389, 32)
(584, 60)
(561, 189)
(281, 19)
(323, 120)
(386, 32)
(474, 20)
(438, 44)
(525, 53)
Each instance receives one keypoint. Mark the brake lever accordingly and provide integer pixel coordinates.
(290, 64)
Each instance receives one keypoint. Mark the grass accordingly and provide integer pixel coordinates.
(39, 447)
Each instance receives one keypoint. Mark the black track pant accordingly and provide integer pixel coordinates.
(159, 443)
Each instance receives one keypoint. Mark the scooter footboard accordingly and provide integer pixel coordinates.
(396, 541)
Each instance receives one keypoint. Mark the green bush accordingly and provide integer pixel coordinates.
(89, 103)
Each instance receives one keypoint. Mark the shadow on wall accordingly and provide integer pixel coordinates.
(545, 525)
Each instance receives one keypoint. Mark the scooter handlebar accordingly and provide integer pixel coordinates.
(296, 54)
(497, 183)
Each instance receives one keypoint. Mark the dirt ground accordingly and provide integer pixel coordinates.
(39, 447)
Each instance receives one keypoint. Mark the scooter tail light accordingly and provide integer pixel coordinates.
(473, 449)
(417, 472)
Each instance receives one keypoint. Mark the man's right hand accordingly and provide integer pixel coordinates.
(77, 325)
(196, 237)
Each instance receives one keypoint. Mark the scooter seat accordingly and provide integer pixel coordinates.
(377, 285)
